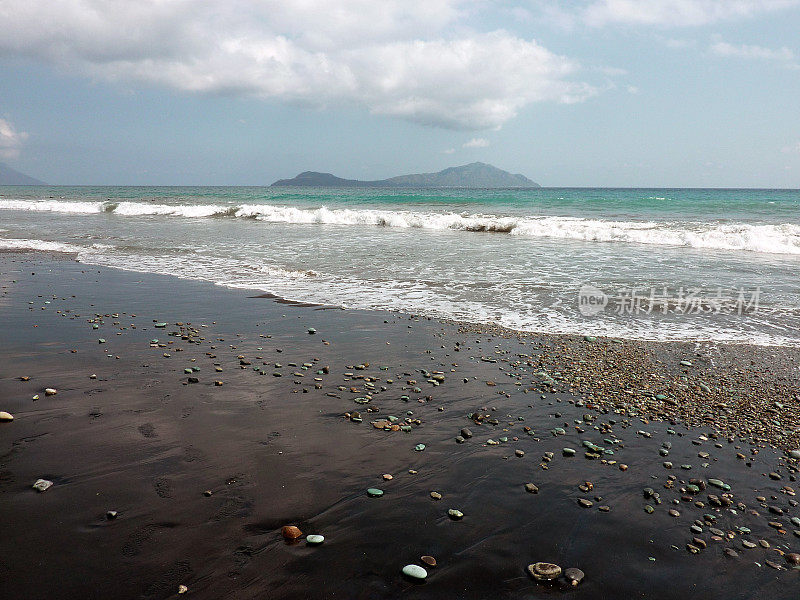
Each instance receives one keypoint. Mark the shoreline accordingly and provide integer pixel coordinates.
(142, 440)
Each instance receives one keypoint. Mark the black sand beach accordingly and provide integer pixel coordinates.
(681, 484)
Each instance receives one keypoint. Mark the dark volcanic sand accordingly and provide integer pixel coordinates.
(141, 441)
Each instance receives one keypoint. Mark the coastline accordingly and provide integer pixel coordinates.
(143, 441)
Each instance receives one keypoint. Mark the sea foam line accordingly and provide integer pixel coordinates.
(782, 238)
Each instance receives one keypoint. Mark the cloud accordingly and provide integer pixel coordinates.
(725, 49)
(412, 59)
(677, 13)
(449, 151)
(11, 140)
(476, 143)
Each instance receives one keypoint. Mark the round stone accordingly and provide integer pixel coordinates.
(573, 575)
(542, 571)
(6, 417)
(419, 447)
(50, 392)
(455, 514)
(415, 572)
(374, 492)
(428, 560)
(314, 539)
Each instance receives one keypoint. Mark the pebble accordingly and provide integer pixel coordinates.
(573, 575)
(419, 447)
(374, 492)
(466, 433)
(290, 532)
(542, 571)
(6, 417)
(568, 451)
(455, 514)
(42, 485)
(436, 495)
(415, 572)
(314, 539)
(585, 503)
(111, 515)
(50, 392)
(428, 560)
(531, 488)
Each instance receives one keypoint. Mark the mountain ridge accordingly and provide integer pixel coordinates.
(9, 176)
(472, 175)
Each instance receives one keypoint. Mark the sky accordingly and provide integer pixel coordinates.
(628, 93)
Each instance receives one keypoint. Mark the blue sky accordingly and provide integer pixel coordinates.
(227, 92)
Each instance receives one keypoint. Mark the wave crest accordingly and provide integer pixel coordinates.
(783, 238)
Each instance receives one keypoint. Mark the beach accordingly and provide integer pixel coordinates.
(207, 419)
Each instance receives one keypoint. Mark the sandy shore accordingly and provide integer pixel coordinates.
(680, 485)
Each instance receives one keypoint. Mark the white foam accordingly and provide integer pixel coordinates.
(174, 210)
(60, 206)
(781, 238)
(38, 245)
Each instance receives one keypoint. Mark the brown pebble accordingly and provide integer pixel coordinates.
(387, 477)
(290, 532)
(428, 560)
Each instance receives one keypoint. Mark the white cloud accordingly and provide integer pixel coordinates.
(721, 48)
(412, 59)
(677, 13)
(632, 89)
(476, 143)
(11, 140)
(449, 151)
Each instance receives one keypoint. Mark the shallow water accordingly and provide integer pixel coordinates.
(669, 264)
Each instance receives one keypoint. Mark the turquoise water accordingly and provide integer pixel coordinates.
(669, 263)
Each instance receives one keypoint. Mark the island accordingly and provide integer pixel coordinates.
(473, 175)
(9, 176)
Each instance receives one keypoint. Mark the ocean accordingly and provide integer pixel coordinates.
(657, 264)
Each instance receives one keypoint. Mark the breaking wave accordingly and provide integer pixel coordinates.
(38, 246)
(783, 238)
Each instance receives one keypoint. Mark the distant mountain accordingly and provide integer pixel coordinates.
(9, 176)
(473, 175)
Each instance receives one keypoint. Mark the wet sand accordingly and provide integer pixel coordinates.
(141, 440)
